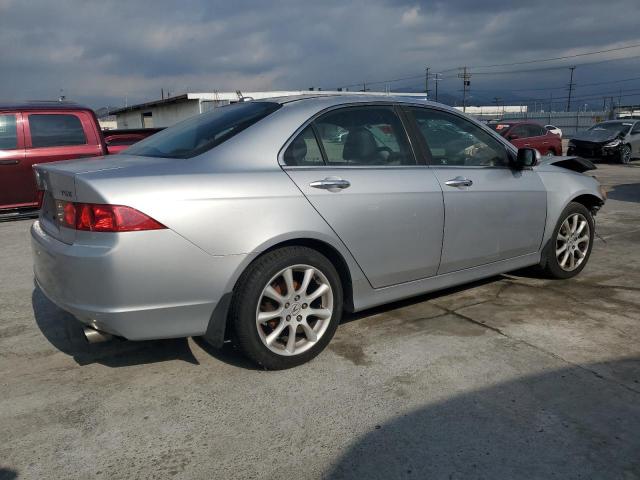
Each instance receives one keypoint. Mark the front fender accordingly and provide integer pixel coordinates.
(563, 186)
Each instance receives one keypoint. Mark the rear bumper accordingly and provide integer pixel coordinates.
(138, 285)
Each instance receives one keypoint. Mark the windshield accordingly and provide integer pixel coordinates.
(203, 132)
(612, 127)
(501, 128)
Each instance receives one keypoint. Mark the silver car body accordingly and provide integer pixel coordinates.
(395, 233)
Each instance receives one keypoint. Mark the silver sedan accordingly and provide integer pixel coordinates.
(262, 221)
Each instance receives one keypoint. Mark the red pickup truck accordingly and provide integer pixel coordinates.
(39, 132)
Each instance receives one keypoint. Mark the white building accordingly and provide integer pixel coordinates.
(166, 112)
(494, 109)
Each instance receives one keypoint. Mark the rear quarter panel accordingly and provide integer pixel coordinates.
(223, 213)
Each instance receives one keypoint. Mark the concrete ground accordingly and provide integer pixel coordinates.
(513, 377)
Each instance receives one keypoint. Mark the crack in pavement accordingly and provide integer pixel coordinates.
(522, 341)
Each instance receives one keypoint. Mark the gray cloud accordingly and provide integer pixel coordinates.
(100, 52)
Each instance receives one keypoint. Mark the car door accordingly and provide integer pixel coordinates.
(492, 212)
(518, 135)
(14, 171)
(357, 168)
(539, 138)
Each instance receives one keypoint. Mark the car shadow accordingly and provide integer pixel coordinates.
(64, 332)
(348, 317)
(629, 192)
(566, 423)
(8, 474)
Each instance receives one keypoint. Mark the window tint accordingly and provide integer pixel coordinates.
(304, 150)
(8, 132)
(370, 136)
(452, 140)
(521, 131)
(56, 130)
(636, 129)
(535, 130)
(198, 134)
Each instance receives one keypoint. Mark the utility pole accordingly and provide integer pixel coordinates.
(550, 102)
(466, 83)
(426, 81)
(571, 85)
(436, 79)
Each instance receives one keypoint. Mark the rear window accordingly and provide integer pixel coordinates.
(55, 130)
(203, 132)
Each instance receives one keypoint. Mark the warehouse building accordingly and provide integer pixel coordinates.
(167, 111)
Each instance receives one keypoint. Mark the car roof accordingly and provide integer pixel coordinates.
(41, 105)
(517, 122)
(338, 99)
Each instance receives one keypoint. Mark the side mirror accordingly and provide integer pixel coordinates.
(526, 158)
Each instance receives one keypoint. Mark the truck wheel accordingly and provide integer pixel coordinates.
(286, 307)
(569, 249)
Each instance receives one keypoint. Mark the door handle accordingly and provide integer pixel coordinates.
(9, 162)
(459, 182)
(331, 184)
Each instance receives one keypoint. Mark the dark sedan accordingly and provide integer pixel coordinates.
(617, 140)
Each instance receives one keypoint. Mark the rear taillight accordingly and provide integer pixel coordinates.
(97, 217)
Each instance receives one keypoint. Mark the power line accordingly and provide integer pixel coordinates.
(557, 58)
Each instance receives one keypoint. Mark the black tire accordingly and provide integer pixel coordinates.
(625, 154)
(549, 262)
(247, 294)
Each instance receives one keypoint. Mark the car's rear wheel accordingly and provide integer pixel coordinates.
(625, 154)
(570, 247)
(286, 307)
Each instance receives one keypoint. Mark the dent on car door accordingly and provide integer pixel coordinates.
(492, 212)
(356, 167)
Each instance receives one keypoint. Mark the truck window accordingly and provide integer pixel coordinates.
(8, 132)
(55, 130)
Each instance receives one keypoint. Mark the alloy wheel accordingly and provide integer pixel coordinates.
(572, 242)
(625, 154)
(294, 310)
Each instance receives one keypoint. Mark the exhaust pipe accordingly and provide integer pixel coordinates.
(96, 336)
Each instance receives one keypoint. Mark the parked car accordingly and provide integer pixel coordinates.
(553, 129)
(617, 140)
(39, 132)
(529, 134)
(247, 220)
(118, 140)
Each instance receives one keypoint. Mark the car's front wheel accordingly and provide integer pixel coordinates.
(625, 154)
(286, 307)
(569, 249)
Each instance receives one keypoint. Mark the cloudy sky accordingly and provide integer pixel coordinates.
(105, 51)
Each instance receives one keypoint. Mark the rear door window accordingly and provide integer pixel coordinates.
(8, 132)
(304, 151)
(56, 130)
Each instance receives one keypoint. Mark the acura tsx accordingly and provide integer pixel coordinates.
(262, 221)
